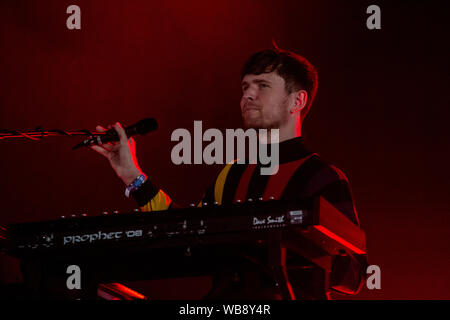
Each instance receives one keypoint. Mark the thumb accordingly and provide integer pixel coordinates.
(121, 132)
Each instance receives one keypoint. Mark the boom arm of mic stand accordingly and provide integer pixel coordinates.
(39, 134)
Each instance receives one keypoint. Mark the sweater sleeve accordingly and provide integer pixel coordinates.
(348, 270)
(151, 198)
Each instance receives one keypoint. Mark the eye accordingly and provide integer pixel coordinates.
(263, 85)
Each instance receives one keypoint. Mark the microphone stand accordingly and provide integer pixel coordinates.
(142, 127)
(39, 133)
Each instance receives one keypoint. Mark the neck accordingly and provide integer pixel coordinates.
(279, 135)
(291, 130)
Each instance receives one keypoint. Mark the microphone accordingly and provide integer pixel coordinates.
(141, 127)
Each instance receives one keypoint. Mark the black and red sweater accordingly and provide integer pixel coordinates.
(301, 174)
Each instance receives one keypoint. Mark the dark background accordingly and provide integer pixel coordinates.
(380, 115)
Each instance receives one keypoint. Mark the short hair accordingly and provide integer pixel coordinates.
(297, 72)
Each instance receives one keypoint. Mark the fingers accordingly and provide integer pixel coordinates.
(132, 143)
(121, 132)
(108, 146)
(100, 129)
(100, 149)
(119, 129)
(103, 149)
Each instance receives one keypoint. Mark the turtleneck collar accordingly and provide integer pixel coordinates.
(292, 149)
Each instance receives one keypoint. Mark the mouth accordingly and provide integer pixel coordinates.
(249, 108)
(251, 113)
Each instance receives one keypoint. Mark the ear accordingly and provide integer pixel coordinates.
(301, 98)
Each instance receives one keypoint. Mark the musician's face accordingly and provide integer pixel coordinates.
(265, 102)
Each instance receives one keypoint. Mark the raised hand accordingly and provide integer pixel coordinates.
(121, 154)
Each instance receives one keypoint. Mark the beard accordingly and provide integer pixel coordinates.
(262, 121)
(254, 123)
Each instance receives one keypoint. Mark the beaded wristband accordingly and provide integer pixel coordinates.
(135, 184)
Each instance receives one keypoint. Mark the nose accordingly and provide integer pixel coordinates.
(249, 94)
(245, 100)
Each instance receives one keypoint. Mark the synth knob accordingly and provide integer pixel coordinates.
(116, 212)
(63, 217)
(249, 200)
(105, 213)
(136, 210)
(192, 205)
(84, 215)
(73, 216)
(271, 198)
(238, 200)
(205, 204)
(216, 203)
(260, 199)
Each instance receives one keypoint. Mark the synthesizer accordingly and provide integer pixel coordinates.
(181, 242)
(313, 217)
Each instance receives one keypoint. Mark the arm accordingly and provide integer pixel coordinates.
(348, 270)
(151, 198)
(122, 158)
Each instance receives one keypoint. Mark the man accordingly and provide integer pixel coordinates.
(278, 88)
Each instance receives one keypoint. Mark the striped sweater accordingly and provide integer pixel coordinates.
(301, 174)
